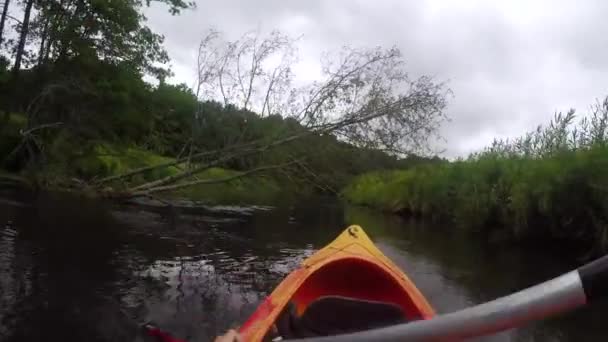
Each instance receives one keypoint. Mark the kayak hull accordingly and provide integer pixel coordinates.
(350, 266)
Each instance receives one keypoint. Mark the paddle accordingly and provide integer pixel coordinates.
(567, 292)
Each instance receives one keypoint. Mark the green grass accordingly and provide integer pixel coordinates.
(253, 189)
(65, 160)
(551, 183)
(17, 119)
(563, 196)
(108, 161)
(68, 158)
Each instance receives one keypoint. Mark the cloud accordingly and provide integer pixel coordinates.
(510, 64)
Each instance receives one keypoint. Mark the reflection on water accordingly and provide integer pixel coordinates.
(77, 270)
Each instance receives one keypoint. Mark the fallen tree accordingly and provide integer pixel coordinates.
(364, 97)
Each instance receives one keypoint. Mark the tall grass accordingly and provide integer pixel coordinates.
(551, 183)
(111, 160)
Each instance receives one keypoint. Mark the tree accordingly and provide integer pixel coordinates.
(175, 6)
(65, 39)
(171, 108)
(114, 31)
(77, 72)
(3, 19)
(356, 82)
(250, 72)
(365, 99)
(24, 31)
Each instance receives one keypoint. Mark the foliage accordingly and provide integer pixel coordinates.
(83, 83)
(257, 189)
(112, 31)
(546, 184)
(106, 160)
(87, 114)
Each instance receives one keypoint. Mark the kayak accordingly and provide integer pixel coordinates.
(348, 286)
(350, 292)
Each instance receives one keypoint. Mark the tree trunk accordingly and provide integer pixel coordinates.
(25, 27)
(3, 19)
(55, 18)
(43, 40)
(49, 45)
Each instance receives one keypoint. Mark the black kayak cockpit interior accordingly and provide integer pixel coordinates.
(334, 315)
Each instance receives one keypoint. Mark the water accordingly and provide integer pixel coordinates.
(83, 270)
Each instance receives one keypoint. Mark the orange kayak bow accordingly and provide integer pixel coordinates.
(348, 274)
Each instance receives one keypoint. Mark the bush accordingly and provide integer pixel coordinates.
(552, 183)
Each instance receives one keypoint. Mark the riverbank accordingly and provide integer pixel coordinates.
(561, 198)
(77, 174)
(68, 163)
(237, 142)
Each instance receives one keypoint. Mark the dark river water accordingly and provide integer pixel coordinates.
(82, 270)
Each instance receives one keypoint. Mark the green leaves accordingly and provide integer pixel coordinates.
(175, 6)
(113, 30)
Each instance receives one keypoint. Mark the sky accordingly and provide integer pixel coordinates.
(510, 64)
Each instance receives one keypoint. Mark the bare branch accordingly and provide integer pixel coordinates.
(177, 186)
(39, 127)
(243, 49)
(369, 100)
(366, 99)
(193, 157)
(205, 67)
(245, 71)
(14, 19)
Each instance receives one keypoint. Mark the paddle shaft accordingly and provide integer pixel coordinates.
(559, 295)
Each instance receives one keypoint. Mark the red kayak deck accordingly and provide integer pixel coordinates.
(350, 266)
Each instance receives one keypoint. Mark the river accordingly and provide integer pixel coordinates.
(82, 270)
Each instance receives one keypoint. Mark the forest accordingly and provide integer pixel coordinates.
(85, 104)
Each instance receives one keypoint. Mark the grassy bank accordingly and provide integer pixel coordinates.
(110, 161)
(548, 185)
(105, 160)
(67, 157)
(256, 189)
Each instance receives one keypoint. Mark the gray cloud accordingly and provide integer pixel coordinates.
(510, 64)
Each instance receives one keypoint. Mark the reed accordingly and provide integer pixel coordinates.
(551, 183)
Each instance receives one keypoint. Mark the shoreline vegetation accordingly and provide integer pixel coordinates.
(548, 186)
(78, 166)
(92, 110)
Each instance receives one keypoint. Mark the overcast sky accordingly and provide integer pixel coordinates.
(511, 64)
